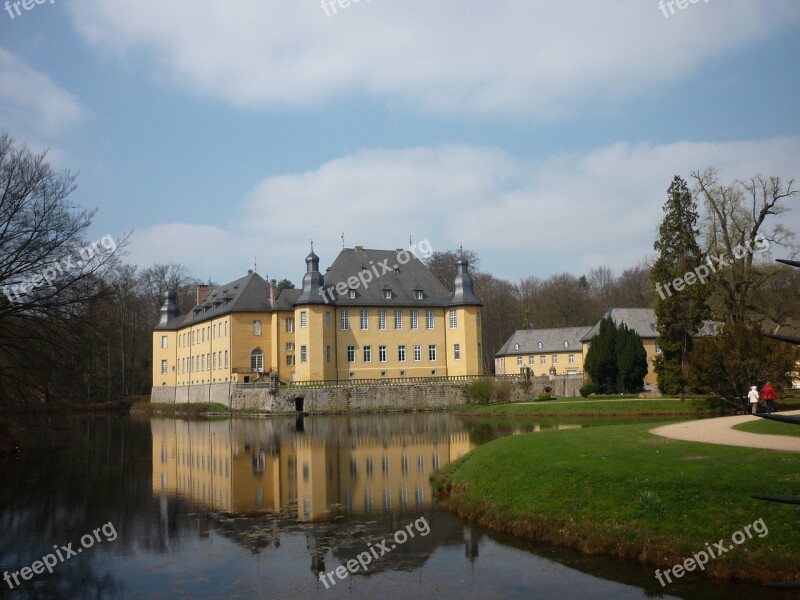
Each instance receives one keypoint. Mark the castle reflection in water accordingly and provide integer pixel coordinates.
(318, 468)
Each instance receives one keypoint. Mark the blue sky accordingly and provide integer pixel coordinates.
(542, 135)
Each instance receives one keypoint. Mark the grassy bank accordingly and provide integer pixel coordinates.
(770, 427)
(200, 409)
(581, 407)
(620, 491)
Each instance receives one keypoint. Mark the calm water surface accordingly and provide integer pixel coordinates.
(258, 508)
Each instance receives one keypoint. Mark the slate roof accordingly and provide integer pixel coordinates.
(402, 279)
(641, 320)
(247, 294)
(379, 269)
(552, 340)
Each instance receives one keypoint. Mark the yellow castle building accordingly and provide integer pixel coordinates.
(373, 314)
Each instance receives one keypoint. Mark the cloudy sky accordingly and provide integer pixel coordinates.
(541, 134)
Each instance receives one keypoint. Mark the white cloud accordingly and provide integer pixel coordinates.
(30, 102)
(570, 212)
(449, 56)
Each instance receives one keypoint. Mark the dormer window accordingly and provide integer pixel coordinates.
(516, 346)
(387, 294)
(351, 293)
(566, 344)
(418, 294)
(539, 345)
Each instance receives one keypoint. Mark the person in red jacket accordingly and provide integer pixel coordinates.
(769, 394)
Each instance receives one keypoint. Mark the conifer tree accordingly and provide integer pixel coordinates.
(601, 358)
(681, 301)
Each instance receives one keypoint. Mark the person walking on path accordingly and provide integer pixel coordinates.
(769, 394)
(753, 397)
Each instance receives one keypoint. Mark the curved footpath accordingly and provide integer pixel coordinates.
(720, 431)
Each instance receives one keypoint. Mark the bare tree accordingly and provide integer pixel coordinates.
(736, 229)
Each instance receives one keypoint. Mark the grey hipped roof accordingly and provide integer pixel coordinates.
(552, 340)
(641, 320)
(251, 292)
(369, 267)
(247, 294)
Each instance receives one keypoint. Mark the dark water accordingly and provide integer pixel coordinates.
(259, 508)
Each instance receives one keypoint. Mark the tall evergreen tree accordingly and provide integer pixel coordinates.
(601, 358)
(681, 301)
(631, 360)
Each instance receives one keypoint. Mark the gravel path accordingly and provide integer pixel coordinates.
(720, 431)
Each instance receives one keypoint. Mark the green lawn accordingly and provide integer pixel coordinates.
(770, 427)
(621, 491)
(592, 407)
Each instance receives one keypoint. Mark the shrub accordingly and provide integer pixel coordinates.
(587, 389)
(502, 391)
(480, 392)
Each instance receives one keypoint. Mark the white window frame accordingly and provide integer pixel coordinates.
(344, 319)
(453, 318)
(429, 320)
(417, 353)
(398, 320)
(364, 319)
(401, 353)
(432, 352)
(414, 317)
(456, 351)
(303, 319)
(366, 353)
(382, 354)
(164, 341)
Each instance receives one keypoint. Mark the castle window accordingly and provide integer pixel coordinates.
(303, 319)
(164, 341)
(367, 354)
(401, 353)
(457, 352)
(417, 353)
(345, 319)
(327, 319)
(382, 353)
(516, 346)
(571, 359)
(453, 319)
(364, 319)
(351, 354)
(555, 359)
(351, 293)
(542, 360)
(382, 320)
(539, 345)
(387, 294)
(566, 344)
(519, 360)
(289, 324)
(428, 319)
(163, 367)
(257, 361)
(418, 294)
(303, 354)
(432, 352)
(256, 327)
(398, 319)
(415, 319)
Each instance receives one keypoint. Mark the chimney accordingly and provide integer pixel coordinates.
(201, 292)
(273, 288)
